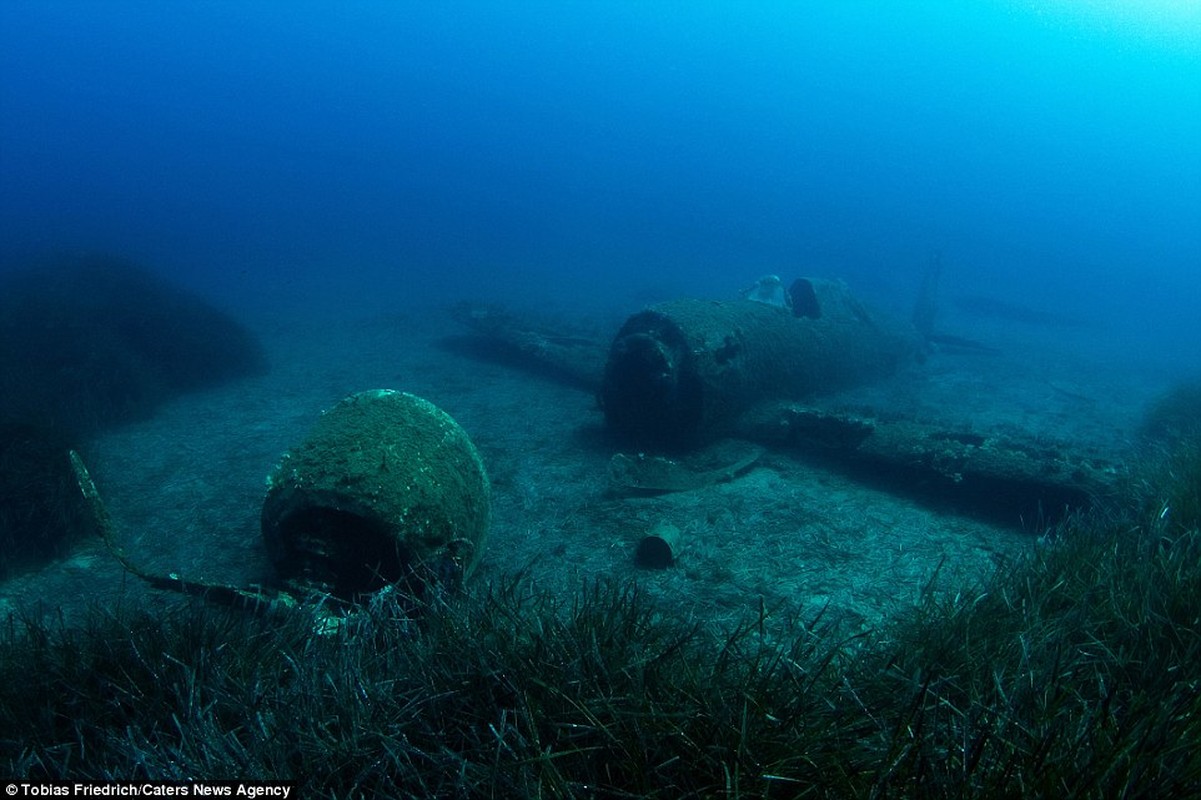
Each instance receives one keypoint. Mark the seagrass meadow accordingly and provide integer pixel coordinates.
(818, 636)
(1071, 673)
(602, 400)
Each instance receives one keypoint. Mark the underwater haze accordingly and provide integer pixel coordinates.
(334, 316)
(364, 157)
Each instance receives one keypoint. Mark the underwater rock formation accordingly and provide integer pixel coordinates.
(90, 342)
(41, 511)
(86, 344)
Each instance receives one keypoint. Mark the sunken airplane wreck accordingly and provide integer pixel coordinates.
(698, 389)
(387, 497)
(683, 377)
(684, 373)
(681, 374)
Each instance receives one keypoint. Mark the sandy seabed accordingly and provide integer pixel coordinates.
(185, 488)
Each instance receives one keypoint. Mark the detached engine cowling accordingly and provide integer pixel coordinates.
(682, 373)
(386, 490)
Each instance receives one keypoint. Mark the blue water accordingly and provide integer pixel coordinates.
(374, 156)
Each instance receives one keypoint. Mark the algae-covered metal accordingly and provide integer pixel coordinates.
(683, 372)
(386, 488)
